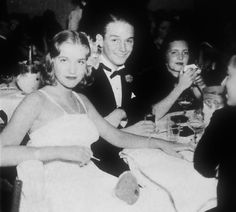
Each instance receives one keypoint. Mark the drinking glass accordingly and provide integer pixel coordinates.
(149, 117)
(173, 130)
(197, 124)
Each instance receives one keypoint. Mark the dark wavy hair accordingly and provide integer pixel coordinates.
(177, 36)
(69, 36)
(98, 22)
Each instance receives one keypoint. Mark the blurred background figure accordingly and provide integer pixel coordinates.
(160, 25)
(209, 62)
(76, 14)
(42, 29)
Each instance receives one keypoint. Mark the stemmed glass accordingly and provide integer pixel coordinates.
(197, 123)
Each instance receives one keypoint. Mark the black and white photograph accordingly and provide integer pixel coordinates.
(117, 105)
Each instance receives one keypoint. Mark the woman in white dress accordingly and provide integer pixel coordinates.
(55, 166)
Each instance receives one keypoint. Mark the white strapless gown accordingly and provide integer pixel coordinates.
(65, 187)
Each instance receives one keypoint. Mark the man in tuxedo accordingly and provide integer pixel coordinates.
(112, 86)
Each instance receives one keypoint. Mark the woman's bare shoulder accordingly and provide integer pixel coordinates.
(36, 97)
(33, 100)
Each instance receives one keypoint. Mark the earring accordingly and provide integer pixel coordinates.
(99, 49)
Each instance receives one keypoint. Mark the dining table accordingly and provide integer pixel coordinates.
(174, 178)
(176, 185)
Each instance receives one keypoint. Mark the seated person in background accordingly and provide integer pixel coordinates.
(161, 24)
(111, 88)
(75, 14)
(215, 154)
(173, 81)
(209, 62)
(62, 125)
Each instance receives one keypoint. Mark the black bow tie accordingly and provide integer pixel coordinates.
(114, 74)
(101, 65)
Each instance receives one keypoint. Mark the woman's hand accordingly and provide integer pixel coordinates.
(190, 74)
(144, 128)
(199, 81)
(77, 154)
(174, 149)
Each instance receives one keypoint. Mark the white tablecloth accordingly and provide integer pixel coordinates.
(175, 178)
(183, 187)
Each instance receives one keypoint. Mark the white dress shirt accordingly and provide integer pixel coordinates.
(115, 81)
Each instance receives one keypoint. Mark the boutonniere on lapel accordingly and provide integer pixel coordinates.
(129, 78)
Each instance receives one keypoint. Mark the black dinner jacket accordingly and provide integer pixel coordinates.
(215, 150)
(100, 93)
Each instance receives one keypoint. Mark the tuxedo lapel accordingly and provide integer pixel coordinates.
(126, 91)
(100, 93)
(104, 86)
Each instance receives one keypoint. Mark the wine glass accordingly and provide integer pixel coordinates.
(197, 124)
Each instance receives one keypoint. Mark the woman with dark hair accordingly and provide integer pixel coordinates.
(55, 166)
(173, 79)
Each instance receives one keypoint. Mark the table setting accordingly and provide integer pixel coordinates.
(175, 178)
(25, 79)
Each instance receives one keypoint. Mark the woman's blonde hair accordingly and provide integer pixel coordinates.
(73, 37)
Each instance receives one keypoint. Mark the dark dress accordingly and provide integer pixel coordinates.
(216, 149)
(155, 84)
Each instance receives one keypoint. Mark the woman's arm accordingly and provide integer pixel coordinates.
(185, 81)
(162, 107)
(21, 122)
(199, 85)
(13, 155)
(126, 140)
